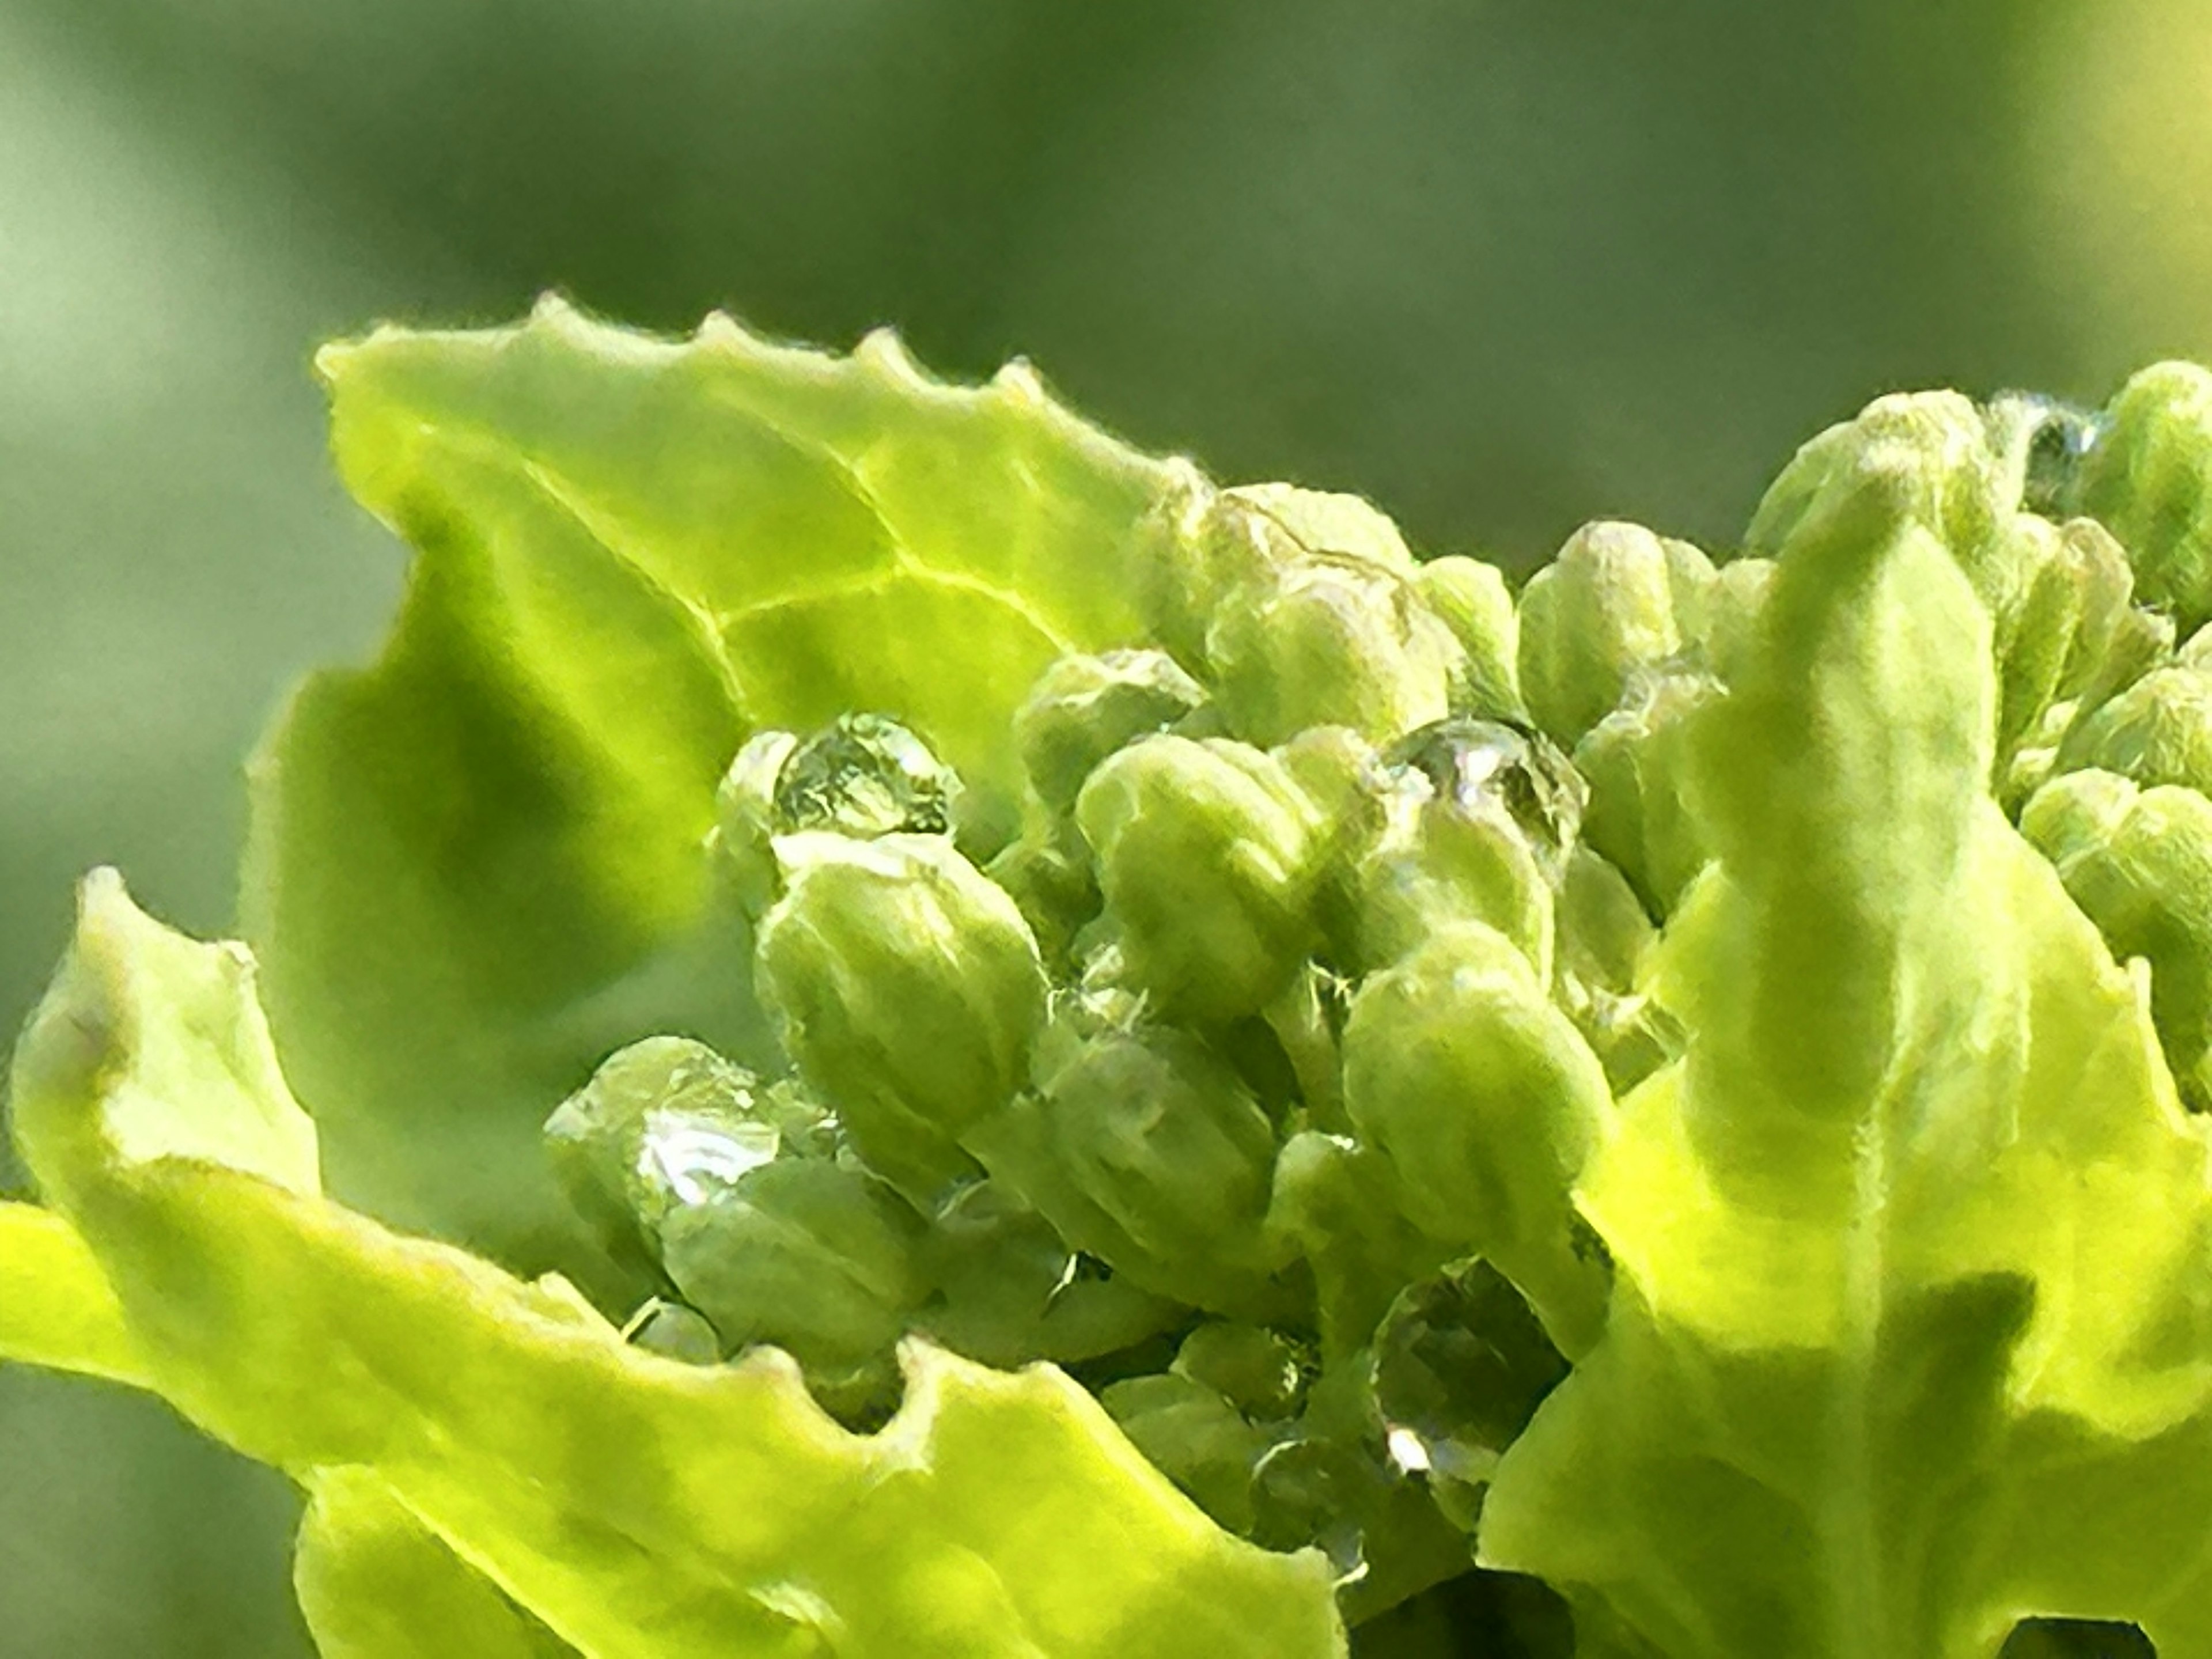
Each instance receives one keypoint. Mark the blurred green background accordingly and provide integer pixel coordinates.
(1502, 264)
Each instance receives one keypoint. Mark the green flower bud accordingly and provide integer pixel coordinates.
(1339, 772)
(1486, 1101)
(1329, 640)
(1196, 547)
(2148, 477)
(1470, 599)
(1195, 1437)
(1332, 524)
(1208, 854)
(1605, 941)
(2158, 730)
(1341, 1205)
(2142, 640)
(1047, 873)
(2139, 863)
(1478, 819)
(2071, 603)
(665, 1123)
(1083, 708)
(813, 1256)
(1263, 1373)
(908, 989)
(1636, 760)
(1145, 1149)
(1733, 607)
(1934, 452)
(1617, 600)
(1006, 1290)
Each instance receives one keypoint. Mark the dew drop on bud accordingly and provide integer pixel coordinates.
(864, 775)
(1460, 1365)
(1487, 768)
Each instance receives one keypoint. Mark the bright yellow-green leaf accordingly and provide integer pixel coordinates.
(634, 1505)
(56, 1308)
(475, 866)
(1912, 1330)
(375, 1582)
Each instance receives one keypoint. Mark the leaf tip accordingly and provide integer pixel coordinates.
(882, 349)
(1020, 381)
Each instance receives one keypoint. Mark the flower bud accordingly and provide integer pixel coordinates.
(815, 1256)
(908, 988)
(1195, 1437)
(1083, 708)
(1487, 1102)
(1341, 1205)
(1470, 599)
(1332, 524)
(1144, 1148)
(1732, 608)
(1263, 1373)
(1618, 599)
(1478, 819)
(1006, 1290)
(1047, 873)
(1932, 450)
(1638, 760)
(1206, 853)
(2158, 730)
(2073, 597)
(2148, 477)
(1330, 641)
(2139, 864)
(1605, 940)
(1194, 548)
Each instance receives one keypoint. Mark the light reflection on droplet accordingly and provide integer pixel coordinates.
(1407, 1452)
(695, 1160)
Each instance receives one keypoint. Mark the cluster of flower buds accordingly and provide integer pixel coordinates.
(1252, 1079)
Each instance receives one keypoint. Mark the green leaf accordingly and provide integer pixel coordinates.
(375, 1582)
(633, 1504)
(475, 866)
(1912, 1334)
(56, 1308)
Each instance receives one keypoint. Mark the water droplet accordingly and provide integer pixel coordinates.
(1460, 1365)
(864, 775)
(2047, 439)
(1408, 1451)
(1317, 1493)
(696, 1158)
(675, 1332)
(668, 1123)
(1488, 768)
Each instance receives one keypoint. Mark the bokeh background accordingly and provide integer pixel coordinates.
(1503, 266)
